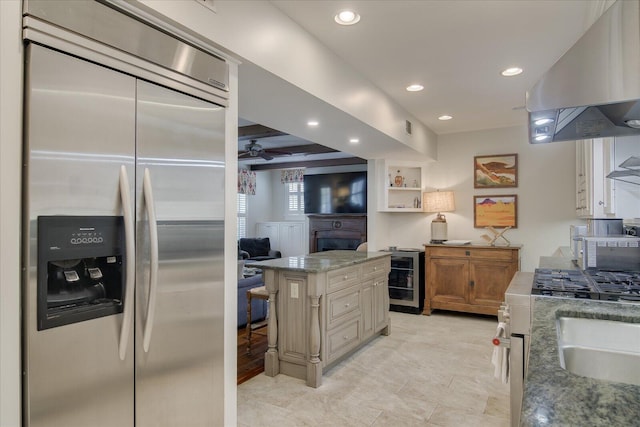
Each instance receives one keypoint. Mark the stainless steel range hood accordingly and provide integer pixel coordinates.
(593, 90)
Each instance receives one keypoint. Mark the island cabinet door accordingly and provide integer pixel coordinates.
(448, 281)
(367, 308)
(374, 305)
(489, 281)
(293, 318)
(380, 303)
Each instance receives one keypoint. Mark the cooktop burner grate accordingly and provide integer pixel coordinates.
(588, 284)
(563, 283)
(616, 285)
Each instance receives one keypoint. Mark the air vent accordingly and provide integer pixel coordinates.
(407, 127)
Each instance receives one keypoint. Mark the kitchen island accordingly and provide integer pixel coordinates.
(554, 396)
(323, 307)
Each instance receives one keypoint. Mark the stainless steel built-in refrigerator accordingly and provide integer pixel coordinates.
(123, 235)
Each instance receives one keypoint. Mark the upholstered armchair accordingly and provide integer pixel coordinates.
(256, 249)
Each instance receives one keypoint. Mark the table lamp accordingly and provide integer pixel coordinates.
(438, 201)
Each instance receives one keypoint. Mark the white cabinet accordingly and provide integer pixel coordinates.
(401, 186)
(288, 237)
(595, 193)
(270, 230)
(293, 239)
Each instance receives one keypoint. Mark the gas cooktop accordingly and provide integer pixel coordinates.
(617, 285)
(588, 284)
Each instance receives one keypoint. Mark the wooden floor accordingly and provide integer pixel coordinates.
(251, 364)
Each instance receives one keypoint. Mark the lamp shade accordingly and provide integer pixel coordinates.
(438, 201)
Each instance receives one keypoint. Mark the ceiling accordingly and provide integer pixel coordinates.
(456, 49)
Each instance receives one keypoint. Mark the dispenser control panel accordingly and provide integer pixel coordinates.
(80, 268)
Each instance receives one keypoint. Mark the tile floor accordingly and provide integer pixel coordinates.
(430, 371)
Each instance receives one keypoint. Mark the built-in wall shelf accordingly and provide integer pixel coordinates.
(401, 186)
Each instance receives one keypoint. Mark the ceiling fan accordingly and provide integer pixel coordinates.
(253, 149)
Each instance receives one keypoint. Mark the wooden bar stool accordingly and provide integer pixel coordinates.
(259, 293)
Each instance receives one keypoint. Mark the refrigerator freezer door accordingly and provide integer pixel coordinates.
(80, 130)
(179, 376)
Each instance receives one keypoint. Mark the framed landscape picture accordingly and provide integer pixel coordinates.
(495, 211)
(495, 171)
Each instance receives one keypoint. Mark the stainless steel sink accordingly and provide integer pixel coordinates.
(600, 349)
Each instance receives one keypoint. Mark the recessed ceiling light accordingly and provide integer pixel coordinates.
(541, 122)
(354, 140)
(445, 117)
(347, 17)
(541, 137)
(634, 123)
(415, 88)
(510, 72)
(313, 123)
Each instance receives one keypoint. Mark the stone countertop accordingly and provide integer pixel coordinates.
(319, 261)
(557, 263)
(556, 397)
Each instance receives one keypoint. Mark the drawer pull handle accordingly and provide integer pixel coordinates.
(346, 337)
(467, 253)
(375, 268)
(347, 305)
(346, 277)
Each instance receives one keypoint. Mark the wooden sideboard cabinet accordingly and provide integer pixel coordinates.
(467, 278)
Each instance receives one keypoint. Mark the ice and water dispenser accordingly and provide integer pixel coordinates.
(81, 272)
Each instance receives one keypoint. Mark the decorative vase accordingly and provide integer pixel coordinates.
(398, 180)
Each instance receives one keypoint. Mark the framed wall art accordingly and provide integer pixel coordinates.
(495, 171)
(495, 211)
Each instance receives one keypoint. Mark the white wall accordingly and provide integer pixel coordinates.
(546, 199)
(231, 266)
(401, 229)
(260, 206)
(10, 201)
(546, 188)
(256, 31)
(546, 194)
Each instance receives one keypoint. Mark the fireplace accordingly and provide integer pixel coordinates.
(331, 232)
(336, 243)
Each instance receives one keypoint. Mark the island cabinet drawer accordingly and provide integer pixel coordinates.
(372, 268)
(342, 278)
(343, 339)
(342, 305)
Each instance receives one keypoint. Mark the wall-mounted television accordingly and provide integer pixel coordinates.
(336, 193)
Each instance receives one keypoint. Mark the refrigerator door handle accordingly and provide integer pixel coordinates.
(129, 237)
(153, 273)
